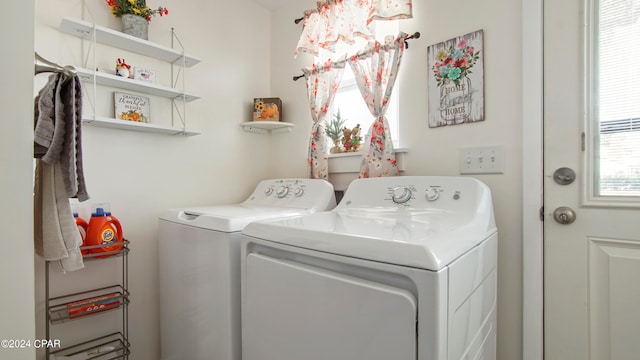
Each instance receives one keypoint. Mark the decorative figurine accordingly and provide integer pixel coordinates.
(123, 69)
(352, 139)
(346, 140)
(356, 139)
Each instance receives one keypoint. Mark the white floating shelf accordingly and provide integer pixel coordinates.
(137, 126)
(265, 127)
(134, 85)
(84, 30)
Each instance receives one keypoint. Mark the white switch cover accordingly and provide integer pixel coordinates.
(482, 160)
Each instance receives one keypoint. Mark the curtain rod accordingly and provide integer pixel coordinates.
(416, 35)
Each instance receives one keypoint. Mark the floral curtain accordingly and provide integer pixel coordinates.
(376, 70)
(343, 20)
(322, 84)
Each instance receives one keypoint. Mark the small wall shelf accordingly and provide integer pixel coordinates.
(137, 126)
(265, 127)
(84, 30)
(134, 85)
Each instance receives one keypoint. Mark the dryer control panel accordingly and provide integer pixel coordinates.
(460, 194)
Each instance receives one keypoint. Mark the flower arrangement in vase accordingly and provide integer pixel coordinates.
(135, 7)
(135, 15)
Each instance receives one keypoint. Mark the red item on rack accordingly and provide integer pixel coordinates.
(93, 305)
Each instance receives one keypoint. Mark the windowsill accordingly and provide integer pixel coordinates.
(349, 162)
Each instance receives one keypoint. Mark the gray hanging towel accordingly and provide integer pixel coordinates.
(58, 130)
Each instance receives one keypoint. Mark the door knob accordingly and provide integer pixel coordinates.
(564, 215)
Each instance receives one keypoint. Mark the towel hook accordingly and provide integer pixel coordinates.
(44, 65)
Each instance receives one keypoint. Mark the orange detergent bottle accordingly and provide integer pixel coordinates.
(82, 229)
(104, 230)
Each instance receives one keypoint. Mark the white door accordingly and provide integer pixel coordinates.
(592, 266)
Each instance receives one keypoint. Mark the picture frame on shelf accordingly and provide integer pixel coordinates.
(144, 74)
(131, 107)
(267, 109)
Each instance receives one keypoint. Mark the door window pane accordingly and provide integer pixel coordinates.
(617, 60)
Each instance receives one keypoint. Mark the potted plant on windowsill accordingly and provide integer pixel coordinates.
(135, 16)
(333, 128)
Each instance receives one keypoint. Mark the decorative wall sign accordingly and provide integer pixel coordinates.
(456, 80)
(131, 107)
(144, 74)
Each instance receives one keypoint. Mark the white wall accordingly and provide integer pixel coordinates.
(142, 174)
(435, 151)
(16, 149)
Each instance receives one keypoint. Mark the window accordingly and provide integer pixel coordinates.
(617, 104)
(348, 99)
(353, 108)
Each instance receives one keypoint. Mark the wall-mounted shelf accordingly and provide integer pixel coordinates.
(105, 79)
(137, 126)
(84, 30)
(265, 127)
(100, 34)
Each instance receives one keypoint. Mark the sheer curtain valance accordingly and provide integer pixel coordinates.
(344, 20)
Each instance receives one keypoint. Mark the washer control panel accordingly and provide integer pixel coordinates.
(293, 193)
(281, 189)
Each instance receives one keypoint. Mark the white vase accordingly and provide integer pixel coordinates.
(135, 25)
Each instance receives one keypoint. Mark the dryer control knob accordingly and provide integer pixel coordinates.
(268, 191)
(282, 191)
(298, 191)
(431, 194)
(401, 195)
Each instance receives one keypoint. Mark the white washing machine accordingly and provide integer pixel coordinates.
(403, 268)
(199, 270)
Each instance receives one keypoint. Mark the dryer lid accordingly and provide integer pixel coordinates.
(426, 241)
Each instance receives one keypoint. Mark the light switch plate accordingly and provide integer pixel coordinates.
(482, 160)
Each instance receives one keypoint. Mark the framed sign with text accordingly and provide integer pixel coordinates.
(456, 80)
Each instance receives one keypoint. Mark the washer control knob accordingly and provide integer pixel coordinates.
(298, 191)
(401, 195)
(268, 191)
(282, 191)
(432, 194)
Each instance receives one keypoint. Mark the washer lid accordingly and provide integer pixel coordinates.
(227, 218)
(422, 238)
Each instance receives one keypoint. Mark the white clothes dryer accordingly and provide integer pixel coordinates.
(199, 266)
(403, 268)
